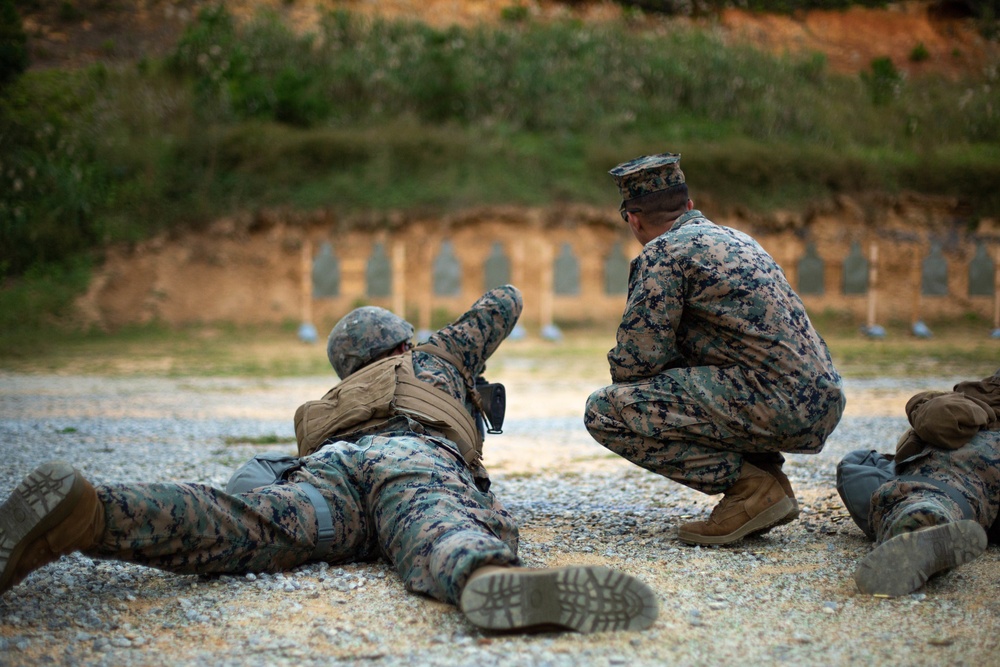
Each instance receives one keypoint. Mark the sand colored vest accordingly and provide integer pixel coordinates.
(377, 393)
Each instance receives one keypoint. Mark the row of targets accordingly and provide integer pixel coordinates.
(447, 272)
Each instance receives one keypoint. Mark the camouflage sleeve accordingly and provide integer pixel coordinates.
(477, 334)
(647, 335)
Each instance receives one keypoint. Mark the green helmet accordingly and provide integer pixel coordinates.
(362, 335)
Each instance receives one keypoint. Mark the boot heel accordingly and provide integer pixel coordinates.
(43, 499)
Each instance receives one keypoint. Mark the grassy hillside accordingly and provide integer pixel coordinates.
(375, 114)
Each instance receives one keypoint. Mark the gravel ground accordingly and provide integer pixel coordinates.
(787, 597)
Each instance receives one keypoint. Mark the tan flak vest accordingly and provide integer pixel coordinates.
(385, 389)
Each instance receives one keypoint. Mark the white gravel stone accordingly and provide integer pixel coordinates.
(786, 597)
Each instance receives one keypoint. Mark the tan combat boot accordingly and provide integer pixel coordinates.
(754, 503)
(775, 471)
(584, 598)
(52, 512)
(904, 563)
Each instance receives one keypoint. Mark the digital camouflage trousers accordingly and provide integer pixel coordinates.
(404, 498)
(974, 470)
(696, 426)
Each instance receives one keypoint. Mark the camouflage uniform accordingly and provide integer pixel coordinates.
(937, 510)
(401, 494)
(955, 441)
(973, 470)
(716, 362)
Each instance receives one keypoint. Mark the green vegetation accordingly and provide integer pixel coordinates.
(153, 349)
(919, 53)
(987, 10)
(883, 81)
(42, 298)
(773, 6)
(958, 348)
(13, 44)
(379, 114)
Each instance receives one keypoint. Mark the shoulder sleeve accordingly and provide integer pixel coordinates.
(647, 335)
(477, 334)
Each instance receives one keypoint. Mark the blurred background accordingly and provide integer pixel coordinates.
(262, 165)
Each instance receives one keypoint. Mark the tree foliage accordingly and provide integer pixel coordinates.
(13, 44)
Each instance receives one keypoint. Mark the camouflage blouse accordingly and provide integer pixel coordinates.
(705, 295)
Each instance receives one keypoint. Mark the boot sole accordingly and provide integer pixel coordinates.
(772, 516)
(903, 564)
(589, 598)
(42, 499)
(792, 515)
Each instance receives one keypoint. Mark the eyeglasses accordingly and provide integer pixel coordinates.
(624, 212)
